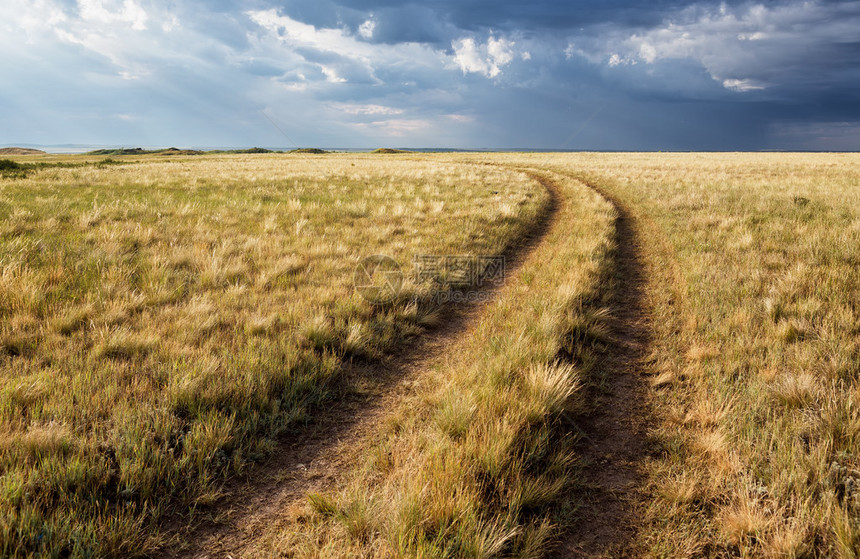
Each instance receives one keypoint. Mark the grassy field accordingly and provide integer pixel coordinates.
(476, 462)
(756, 291)
(163, 319)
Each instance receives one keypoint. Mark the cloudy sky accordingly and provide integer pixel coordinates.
(610, 74)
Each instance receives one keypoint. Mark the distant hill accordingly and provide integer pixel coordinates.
(249, 150)
(390, 150)
(20, 151)
(176, 151)
(141, 151)
(309, 150)
(123, 151)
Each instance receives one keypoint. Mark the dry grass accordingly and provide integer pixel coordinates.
(163, 319)
(475, 463)
(755, 283)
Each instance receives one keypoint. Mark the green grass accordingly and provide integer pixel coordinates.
(162, 322)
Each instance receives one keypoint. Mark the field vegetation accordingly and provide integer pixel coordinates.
(162, 321)
(476, 462)
(165, 320)
(755, 267)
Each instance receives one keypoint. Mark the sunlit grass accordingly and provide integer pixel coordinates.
(476, 462)
(755, 262)
(162, 320)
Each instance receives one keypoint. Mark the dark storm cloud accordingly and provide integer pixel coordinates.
(531, 16)
(606, 75)
(412, 23)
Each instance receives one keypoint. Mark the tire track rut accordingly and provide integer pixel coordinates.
(315, 457)
(615, 445)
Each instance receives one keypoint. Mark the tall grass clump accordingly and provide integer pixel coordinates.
(474, 463)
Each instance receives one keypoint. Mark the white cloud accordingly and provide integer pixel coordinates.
(468, 57)
(293, 35)
(301, 34)
(356, 109)
(647, 51)
(33, 17)
(294, 86)
(130, 12)
(366, 29)
(115, 30)
(499, 50)
(126, 75)
(460, 118)
(743, 85)
(357, 58)
(331, 74)
(397, 128)
(745, 48)
(171, 24)
(617, 60)
(487, 59)
(757, 36)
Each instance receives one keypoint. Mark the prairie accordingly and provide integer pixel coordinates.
(755, 267)
(167, 321)
(477, 461)
(753, 262)
(164, 320)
